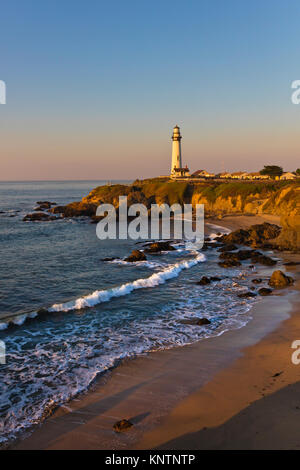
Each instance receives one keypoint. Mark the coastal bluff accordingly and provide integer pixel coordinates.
(280, 198)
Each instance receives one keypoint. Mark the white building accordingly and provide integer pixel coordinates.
(288, 176)
(177, 170)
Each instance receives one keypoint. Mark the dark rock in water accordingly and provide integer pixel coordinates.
(215, 279)
(76, 209)
(196, 321)
(263, 259)
(229, 247)
(246, 295)
(136, 255)
(228, 255)
(265, 291)
(204, 281)
(42, 311)
(122, 425)
(44, 206)
(109, 258)
(230, 264)
(46, 203)
(157, 247)
(279, 280)
(257, 281)
(244, 254)
(41, 216)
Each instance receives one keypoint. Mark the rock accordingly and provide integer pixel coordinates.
(229, 247)
(230, 264)
(109, 258)
(265, 291)
(48, 203)
(43, 207)
(257, 281)
(246, 295)
(229, 256)
(75, 209)
(42, 311)
(122, 425)
(279, 280)
(136, 255)
(215, 279)
(256, 235)
(38, 216)
(157, 247)
(289, 238)
(263, 259)
(196, 321)
(242, 255)
(204, 281)
(238, 236)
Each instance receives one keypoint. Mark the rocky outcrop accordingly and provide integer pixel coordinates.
(256, 236)
(228, 247)
(38, 216)
(158, 247)
(75, 209)
(289, 238)
(280, 280)
(279, 198)
(136, 255)
(44, 205)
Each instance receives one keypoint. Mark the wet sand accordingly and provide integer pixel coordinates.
(222, 392)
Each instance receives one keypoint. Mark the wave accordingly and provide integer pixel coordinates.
(154, 280)
(145, 264)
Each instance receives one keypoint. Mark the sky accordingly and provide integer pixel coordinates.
(94, 88)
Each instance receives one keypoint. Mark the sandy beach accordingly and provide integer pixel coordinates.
(239, 390)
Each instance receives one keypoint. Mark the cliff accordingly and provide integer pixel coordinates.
(280, 198)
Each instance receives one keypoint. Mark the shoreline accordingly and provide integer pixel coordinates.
(167, 378)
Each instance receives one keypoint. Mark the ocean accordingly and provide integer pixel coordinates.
(98, 312)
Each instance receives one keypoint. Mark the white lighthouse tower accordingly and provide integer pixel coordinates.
(176, 169)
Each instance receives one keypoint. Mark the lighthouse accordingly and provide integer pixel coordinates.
(176, 169)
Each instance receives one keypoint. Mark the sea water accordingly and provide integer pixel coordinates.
(98, 312)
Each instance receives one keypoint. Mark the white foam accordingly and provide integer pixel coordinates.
(154, 280)
(145, 264)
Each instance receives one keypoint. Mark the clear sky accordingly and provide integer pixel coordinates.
(94, 87)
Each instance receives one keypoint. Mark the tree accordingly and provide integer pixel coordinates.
(272, 170)
(297, 172)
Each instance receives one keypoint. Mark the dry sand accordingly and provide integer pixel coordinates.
(220, 393)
